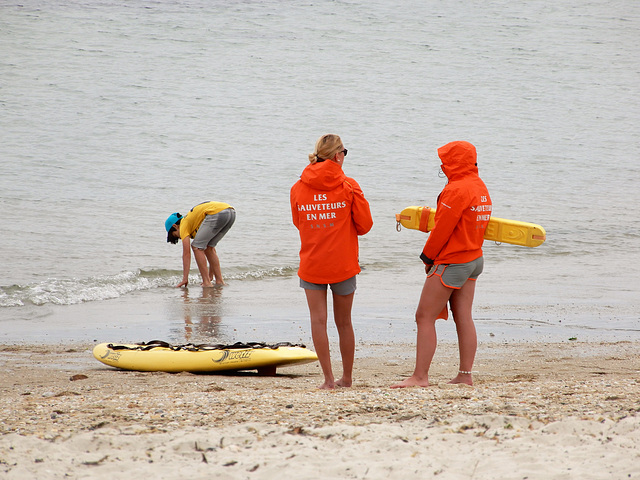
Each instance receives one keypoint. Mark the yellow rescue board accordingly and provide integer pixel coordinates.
(499, 229)
(168, 359)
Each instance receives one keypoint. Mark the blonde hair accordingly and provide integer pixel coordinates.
(326, 148)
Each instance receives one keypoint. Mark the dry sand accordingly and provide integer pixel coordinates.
(537, 411)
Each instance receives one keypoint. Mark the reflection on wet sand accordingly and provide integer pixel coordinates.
(202, 315)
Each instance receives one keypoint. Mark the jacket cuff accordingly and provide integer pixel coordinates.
(426, 259)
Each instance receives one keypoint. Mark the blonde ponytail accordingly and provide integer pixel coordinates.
(326, 148)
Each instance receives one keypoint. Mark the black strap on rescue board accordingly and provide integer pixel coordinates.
(202, 347)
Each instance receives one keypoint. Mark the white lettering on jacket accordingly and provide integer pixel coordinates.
(482, 208)
(321, 211)
(315, 207)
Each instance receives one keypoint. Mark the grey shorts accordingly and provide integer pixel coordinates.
(213, 228)
(346, 287)
(456, 274)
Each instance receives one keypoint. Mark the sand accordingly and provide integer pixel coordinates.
(537, 411)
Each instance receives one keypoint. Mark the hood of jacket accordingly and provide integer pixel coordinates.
(325, 175)
(459, 159)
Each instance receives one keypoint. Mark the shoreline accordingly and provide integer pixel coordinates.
(274, 310)
(543, 410)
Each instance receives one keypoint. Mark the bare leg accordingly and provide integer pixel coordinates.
(317, 301)
(201, 261)
(461, 306)
(342, 315)
(214, 266)
(433, 299)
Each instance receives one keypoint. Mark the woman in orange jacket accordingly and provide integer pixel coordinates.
(453, 259)
(330, 211)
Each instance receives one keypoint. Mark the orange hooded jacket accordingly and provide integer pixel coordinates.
(330, 211)
(463, 210)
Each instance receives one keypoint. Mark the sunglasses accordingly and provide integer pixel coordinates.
(344, 151)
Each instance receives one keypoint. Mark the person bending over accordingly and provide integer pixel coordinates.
(200, 230)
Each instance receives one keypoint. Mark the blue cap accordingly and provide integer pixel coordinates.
(169, 222)
(172, 220)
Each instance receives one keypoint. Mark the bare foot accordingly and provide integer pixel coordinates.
(327, 386)
(464, 378)
(344, 383)
(412, 382)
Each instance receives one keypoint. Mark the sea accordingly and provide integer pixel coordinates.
(115, 114)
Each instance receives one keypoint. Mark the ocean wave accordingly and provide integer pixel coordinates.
(73, 291)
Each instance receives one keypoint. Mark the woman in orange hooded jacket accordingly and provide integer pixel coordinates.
(453, 259)
(330, 211)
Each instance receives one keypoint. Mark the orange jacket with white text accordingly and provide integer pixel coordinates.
(330, 211)
(463, 209)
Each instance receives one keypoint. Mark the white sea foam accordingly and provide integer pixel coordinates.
(73, 291)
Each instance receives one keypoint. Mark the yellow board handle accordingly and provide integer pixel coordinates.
(411, 217)
(498, 230)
